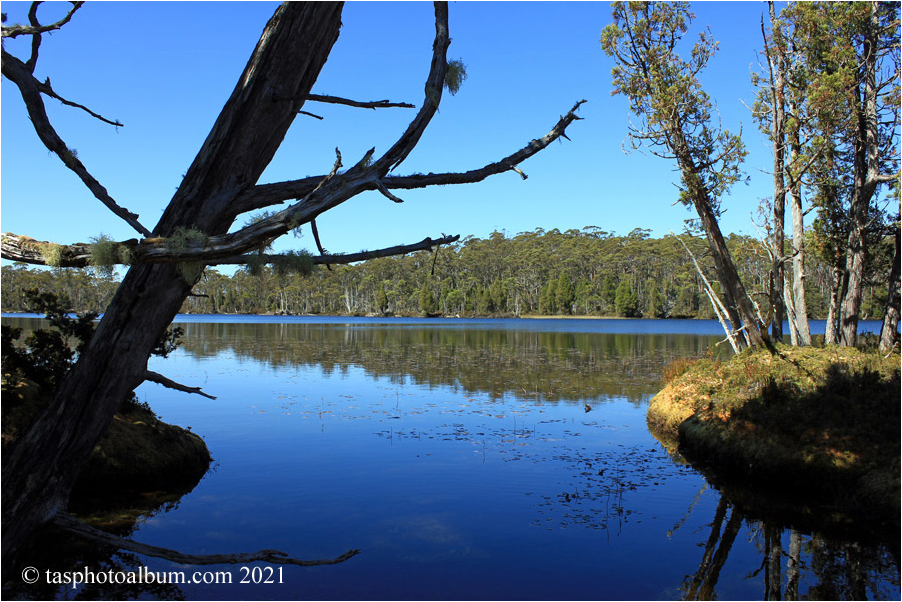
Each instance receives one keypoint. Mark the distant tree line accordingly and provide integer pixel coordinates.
(586, 272)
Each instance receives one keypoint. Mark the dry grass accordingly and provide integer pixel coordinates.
(826, 420)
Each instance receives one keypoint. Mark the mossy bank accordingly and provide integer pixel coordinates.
(821, 424)
(138, 456)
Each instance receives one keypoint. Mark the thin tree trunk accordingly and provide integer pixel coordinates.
(889, 336)
(831, 334)
(798, 271)
(777, 68)
(38, 472)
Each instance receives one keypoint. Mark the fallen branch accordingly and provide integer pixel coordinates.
(156, 377)
(72, 524)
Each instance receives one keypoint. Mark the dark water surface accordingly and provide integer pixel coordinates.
(468, 459)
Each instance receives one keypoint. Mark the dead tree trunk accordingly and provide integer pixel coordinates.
(39, 471)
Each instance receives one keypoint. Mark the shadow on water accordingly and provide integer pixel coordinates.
(59, 556)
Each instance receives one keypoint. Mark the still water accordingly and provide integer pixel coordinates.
(468, 459)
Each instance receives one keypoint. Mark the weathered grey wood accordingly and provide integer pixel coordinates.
(78, 255)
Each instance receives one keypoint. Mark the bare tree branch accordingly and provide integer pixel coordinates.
(319, 245)
(346, 258)
(156, 377)
(46, 89)
(16, 71)
(433, 96)
(70, 523)
(14, 31)
(22, 248)
(373, 104)
(266, 195)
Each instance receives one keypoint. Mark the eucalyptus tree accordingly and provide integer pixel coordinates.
(850, 59)
(782, 110)
(675, 122)
(166, 262)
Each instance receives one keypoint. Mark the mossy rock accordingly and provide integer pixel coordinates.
(138, 455)
(822, 423)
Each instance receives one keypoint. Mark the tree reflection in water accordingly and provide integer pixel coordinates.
(835, 568)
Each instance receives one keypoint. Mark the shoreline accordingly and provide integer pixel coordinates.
(820, 423)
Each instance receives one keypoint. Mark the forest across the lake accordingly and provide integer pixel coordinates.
(588, 272)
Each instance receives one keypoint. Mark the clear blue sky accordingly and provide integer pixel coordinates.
(165, 69)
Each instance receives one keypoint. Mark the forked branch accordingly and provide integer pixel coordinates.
(14, 31)
(72, 524)
(266, 195)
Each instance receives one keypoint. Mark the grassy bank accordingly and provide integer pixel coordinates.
(823, 423)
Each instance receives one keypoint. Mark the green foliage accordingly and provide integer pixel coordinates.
(47, 354)
(499, 275)
(665, 94)
(455, 76)
(427, 300)
(564, 294)
(169, 342)
(625, 301)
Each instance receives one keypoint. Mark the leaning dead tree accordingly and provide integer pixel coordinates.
(165, 262)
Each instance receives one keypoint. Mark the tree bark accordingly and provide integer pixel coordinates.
(777, 67)
(889, 335)
(831, 332)
(38, 472)
(866, 177)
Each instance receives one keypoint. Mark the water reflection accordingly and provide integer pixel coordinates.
(57, 554)
(794, 565)
(544, 366)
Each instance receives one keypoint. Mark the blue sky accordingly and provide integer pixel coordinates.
(165, 69)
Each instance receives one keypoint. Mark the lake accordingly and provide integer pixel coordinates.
(468, 459)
